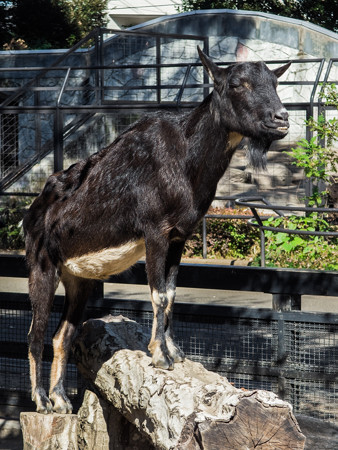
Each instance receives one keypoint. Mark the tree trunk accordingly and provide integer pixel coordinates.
(186, 408)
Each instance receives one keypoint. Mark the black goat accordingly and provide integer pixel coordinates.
(143, 194)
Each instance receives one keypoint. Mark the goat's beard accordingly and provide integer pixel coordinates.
(256, 153)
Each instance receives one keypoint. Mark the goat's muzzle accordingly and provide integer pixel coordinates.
(277, 124)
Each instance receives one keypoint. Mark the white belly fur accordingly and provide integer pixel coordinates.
(106, 262)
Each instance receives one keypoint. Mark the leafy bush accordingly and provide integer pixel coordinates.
(226, 238)
(317, 160)
(300, 251)
(11, 234)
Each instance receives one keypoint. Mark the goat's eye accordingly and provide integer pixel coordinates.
(234, 84)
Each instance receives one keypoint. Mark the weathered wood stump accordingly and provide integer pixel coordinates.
(102, 427)
(47, 432)
(186, 408)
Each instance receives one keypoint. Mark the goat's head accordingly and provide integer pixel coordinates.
(245, 100)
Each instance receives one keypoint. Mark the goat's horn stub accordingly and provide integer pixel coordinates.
(211, 68)
(280, 70)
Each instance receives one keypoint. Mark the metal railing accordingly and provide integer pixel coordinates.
(96, 66)
(257, 220)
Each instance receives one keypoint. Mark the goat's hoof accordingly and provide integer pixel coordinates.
(43, 404)
(63, 409)
(176, 354)
(174, 351)
(44, 407)
(62, 406)
(178, 357)
(48, 409)
(162, 361)
(166, 364)
(61, 403)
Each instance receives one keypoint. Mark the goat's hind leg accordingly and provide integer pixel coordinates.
(42, 284)
(77, 293)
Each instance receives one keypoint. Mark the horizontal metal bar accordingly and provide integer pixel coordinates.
(108, 106)
(190, 311)
(222, 312)
(8, 299)
(90, 108)
(231, 216)
(247, 201)
(134, 66)
(289, 231)
(209, 276)
(19, 194)
(256, 371)
(151, 34)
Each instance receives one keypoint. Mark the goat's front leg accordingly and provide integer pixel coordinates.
(158, 344)
(162, 266)
(156, 254)
(172, 266)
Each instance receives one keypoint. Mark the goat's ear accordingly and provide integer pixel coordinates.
(212, 69)
(280, 70)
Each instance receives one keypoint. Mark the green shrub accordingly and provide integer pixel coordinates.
(11, 215)
(300, 251)
(317, 160)
(226, 238)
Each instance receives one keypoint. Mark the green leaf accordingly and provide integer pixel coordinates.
(287, 246)
(298, 241)
(281, 237)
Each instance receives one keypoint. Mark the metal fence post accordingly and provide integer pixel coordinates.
(204, 234)
(58, 140)
(262, 248)
(58, 127)
(99, 73)
(281, 357)
(158, 69)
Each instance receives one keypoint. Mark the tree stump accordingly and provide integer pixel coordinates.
(51, 431)
(186, 408)
(102, 427)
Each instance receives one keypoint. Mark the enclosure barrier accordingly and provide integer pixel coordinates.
(67, 97)
(291, 353)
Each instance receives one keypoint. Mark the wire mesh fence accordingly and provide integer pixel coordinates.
(9, 143)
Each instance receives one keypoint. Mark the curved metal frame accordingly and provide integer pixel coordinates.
(248, 202)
